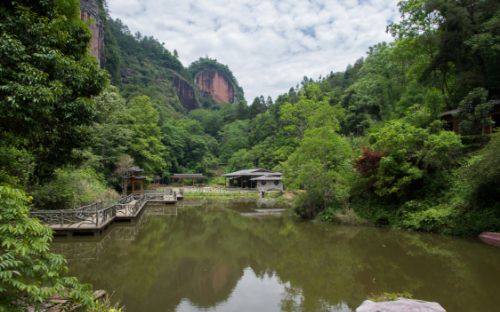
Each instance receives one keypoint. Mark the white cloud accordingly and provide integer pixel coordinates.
(269, 45)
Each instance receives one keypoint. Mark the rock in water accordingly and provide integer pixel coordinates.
(491, 238)
(402, 304)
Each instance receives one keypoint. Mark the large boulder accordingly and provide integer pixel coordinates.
(402, 304)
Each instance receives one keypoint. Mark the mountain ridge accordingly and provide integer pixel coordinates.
(136, 62)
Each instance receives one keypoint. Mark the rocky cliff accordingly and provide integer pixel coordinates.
(142, 65)
(215, 81)
(214, 84)
(185, 92)
(89, 12)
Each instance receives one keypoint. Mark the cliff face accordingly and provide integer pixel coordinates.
(185, 93)
(212, 83)
(89, 11)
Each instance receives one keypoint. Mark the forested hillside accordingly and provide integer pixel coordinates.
(141, 65)
(369, 143)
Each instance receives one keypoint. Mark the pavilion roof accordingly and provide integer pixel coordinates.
(256, 172)
(135, 169)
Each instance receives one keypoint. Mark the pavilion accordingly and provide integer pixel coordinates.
(133, 179)
(247, 178)
(452, 120)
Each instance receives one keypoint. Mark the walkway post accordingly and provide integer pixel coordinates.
(96, 216)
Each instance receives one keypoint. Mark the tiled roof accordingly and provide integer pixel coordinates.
(256, 172)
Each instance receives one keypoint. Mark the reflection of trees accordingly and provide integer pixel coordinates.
(201, 254)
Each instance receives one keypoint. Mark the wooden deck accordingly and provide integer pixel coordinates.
(95, 218)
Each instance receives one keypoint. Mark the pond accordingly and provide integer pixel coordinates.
(211, 256)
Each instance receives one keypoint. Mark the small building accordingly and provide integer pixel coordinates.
(452, 121)
(245, 178)
(269, 183)
(181, 177)
(133, 181)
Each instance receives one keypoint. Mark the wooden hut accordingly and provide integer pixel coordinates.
(244, 178)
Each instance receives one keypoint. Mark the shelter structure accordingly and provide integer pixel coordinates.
(178, 177)
(452, 121)
(247, 178)
(133, 181)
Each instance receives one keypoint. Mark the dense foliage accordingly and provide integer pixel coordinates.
(29, 272)
(46, 80)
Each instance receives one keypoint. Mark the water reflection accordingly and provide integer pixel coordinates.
(208, 258)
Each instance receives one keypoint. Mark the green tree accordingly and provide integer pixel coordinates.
(321, 165)
(29, 272)
(146, 142)
(191, 149)
(47, 79)
(480, 178)
(234, 136)
(467, 40)
(241, 159)
(111, 133)
(211, 120)
(475, 112)
(410, 155)
(72, 188)
(258, 106)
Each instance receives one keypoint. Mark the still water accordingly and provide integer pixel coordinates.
(211, 256)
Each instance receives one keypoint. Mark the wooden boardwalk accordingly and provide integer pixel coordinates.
(94, 218)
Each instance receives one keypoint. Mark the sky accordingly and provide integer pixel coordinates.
(269, 45)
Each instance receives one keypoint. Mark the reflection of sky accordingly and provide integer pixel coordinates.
(251, 294)
(255, 293)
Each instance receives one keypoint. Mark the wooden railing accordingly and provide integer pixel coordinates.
(96, 215)
(85, 215)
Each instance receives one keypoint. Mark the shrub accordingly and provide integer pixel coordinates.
(475, 112)
(29, 272)
(71, 188)
(16, 165)
(436, 219)
(482, 173)
(321, 165)
(412, 156)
